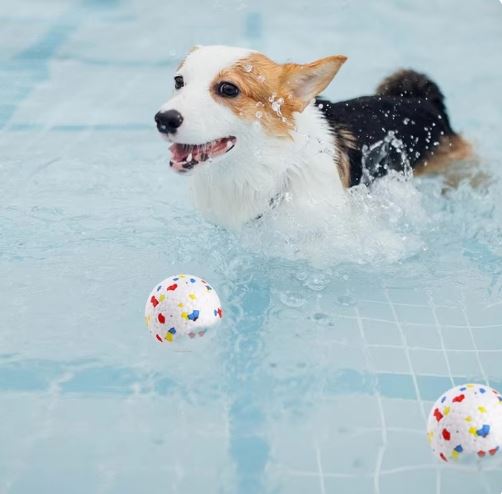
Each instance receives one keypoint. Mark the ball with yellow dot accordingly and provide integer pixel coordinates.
(466, 423)
(182, 306)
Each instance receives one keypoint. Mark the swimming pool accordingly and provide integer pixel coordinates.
(322, 374)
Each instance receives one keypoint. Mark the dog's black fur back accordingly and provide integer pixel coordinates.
(402, 125)
(410, 84)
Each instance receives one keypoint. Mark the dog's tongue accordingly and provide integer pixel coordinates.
(186, 156)
(179, 152)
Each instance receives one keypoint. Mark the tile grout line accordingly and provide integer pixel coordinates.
(475, 345)
(441, 340)
(381, 450)
(320, 470)
(407, 354)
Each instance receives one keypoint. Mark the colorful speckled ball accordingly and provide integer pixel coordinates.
(182, 306)
(466, 422)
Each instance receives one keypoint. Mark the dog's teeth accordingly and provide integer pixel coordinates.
(189, 157)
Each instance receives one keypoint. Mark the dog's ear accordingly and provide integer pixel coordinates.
(305, 82)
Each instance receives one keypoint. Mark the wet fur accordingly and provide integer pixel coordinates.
(410, 106)
(263, 82)
(294, 154)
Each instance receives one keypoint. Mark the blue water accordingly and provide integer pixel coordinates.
(321, 376)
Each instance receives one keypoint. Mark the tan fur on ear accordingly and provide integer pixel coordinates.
(270, 91)
(305, 81)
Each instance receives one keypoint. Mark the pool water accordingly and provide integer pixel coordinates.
(321, 376)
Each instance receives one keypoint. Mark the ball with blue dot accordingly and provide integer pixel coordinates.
(466, 423)
(182, 306)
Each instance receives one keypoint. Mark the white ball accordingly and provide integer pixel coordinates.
(466, 421)
(182, 305)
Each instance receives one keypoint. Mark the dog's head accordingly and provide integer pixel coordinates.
(224, 98)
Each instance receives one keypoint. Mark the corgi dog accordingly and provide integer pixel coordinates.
(254, 135)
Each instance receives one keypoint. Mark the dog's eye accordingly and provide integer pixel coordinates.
(228, 90)
(179, 82)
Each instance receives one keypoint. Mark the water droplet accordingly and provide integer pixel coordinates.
(346, 300)
(291, 300)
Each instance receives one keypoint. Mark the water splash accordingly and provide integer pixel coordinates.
(382, 225)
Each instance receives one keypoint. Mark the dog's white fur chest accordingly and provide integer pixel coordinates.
(264, 173)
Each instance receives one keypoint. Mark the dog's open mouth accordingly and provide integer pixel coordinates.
(186, 156)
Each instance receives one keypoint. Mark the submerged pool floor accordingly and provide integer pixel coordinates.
(319, 379)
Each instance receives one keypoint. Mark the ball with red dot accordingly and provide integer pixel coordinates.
(182, 306)
(466, 423)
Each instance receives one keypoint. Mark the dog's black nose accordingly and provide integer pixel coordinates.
(168, 121)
